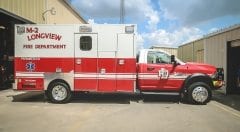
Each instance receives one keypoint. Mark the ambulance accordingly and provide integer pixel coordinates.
(102, 58)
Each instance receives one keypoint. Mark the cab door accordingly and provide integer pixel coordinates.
(154, 74)
(86, 62)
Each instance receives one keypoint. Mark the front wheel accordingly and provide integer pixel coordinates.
(59, 92)
(199, 93)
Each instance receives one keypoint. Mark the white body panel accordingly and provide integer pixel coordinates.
(44, 41)
(126, 42)
(58, 40)
(86, 54)
(87, 57)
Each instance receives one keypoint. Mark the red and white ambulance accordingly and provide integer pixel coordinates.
(62, 59)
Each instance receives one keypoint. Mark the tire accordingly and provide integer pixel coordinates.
(59, 92)
(199, 93)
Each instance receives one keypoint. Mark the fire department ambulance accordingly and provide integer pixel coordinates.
(62, 59)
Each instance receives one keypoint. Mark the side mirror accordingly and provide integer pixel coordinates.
(173, 60)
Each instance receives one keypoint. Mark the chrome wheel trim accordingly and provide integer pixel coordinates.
(59, 92)
(200, 94)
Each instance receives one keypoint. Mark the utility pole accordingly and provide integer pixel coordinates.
(122, 11)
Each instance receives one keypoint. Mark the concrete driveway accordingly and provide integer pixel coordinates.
(23, 112)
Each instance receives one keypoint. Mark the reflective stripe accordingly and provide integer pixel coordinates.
(157, 77)
(178, 76)
(149, 77)
(85, 75)
(105, 76)
(30, 74)
(127, 76)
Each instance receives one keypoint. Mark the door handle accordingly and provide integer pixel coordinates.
(102, 71)
(150, 68)
(78, 61)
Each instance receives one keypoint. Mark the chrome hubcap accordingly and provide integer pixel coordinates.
(59, 93)
(200, 94)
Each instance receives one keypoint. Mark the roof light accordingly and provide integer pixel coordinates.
(85, 29)
(129, 29)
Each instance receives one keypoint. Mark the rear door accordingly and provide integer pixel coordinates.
(86, 62)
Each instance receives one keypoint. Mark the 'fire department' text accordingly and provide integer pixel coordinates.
(45, 46)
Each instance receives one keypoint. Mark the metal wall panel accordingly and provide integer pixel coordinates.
(64, 13)
(38, 11)
(187, 52)
(215, 50)
(179, 52)
(170, 50)
(28, 9)
(198, 51)
(192, 51)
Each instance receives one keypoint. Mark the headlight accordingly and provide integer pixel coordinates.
(214, 75)
(218, 75)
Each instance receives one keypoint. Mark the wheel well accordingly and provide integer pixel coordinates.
(201, 78)
(58, 80)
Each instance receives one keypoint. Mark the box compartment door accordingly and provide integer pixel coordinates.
(86, 56)
(126, 63)
(107, 71)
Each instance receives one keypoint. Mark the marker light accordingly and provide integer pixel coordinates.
(129, 29)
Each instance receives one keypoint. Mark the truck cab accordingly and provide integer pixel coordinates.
(160, 72)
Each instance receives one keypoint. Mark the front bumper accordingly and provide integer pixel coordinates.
(218, 84)
(218, 78)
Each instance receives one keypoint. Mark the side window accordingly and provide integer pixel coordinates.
(158, 57)
(85, 43)
(151, 58)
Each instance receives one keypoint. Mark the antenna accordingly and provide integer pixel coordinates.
(122, 12)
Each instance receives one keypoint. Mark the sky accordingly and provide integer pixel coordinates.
(164, 22)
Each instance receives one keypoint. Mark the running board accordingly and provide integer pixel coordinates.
(162, 93)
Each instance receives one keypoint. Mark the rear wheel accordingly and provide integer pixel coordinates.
(199, 93)
(59, 92)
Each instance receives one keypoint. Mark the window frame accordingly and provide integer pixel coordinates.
(86, 46)
(154, 55)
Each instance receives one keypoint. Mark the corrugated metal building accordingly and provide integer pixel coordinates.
(170, 50)
(221, 49)
(30, 11)
(192, 51)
